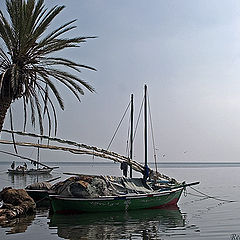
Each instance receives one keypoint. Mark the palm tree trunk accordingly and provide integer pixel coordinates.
(4, 106)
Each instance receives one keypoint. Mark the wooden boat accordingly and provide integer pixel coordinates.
(45, 169)
(157, 197)
(40, 197)
(39, 192)
(30, 171)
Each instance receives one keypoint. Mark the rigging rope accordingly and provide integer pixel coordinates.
(215, 198)
(128, 137)
(118, 126)
(139, 115)
(153, 141)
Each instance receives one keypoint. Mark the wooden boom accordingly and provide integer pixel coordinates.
(90, 151)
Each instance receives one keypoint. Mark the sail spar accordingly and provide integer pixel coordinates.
(79, 148)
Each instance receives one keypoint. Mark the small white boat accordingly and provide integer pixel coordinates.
(30, 171)
(23, 169)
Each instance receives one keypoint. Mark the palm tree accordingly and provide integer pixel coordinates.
(28, 70)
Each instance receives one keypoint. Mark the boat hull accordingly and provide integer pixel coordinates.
(121, 203)
(40, 197)
(30, 171)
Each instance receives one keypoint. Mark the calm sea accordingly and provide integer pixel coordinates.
(197, 216)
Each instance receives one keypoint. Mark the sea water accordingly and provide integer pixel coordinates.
(210, 210)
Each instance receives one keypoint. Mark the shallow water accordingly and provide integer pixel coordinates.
(197, 216)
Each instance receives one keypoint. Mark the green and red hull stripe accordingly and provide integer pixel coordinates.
(120, 203)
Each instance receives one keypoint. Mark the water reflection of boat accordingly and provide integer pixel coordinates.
(145, 224)
(22, 180)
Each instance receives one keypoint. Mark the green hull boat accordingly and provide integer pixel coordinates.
(127, 202)
(108, 194)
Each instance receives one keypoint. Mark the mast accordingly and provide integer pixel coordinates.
(38, 156)
(145, 125)
(131, 135)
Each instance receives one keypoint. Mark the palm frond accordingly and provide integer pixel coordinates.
(65, 62)
(32, 71)
(45, 21)
(5, 33)
(51, 103)
(57, 32)
(45, 79)
(5, 62)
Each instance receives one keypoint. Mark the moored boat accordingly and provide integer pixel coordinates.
(108, 194)
(23, 169)
(30, 171)
(156, 199)
(39, 192)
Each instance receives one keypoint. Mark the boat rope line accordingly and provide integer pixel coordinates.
(42, 199)
(212, 197)
(118, 126)
(195, 195)
(138, 119)
(200, 198)
(128, 137)
(152, 133)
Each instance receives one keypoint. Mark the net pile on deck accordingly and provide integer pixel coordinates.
(85, 186)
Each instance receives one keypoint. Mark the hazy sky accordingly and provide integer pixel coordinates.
(187, 52)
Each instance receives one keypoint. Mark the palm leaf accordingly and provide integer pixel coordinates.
(32, 71)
